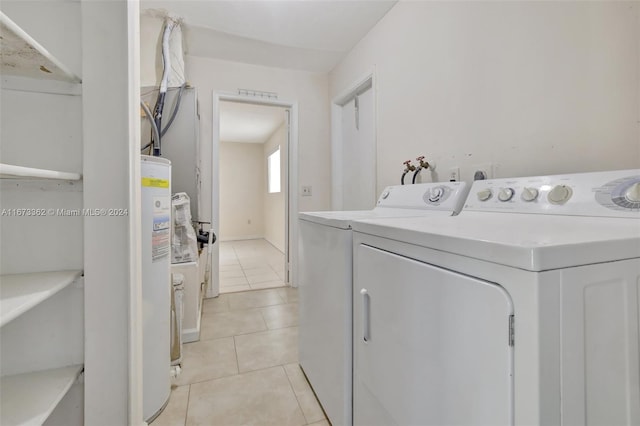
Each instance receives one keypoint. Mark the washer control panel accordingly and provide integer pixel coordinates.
(615, 194)
(437, 194)
(433, 196)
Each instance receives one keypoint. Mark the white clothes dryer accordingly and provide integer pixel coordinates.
(325, 285)
(521, 310)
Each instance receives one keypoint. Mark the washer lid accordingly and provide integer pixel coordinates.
(344, 219)
(525, 241)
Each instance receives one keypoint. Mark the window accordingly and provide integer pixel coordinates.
(273, 171)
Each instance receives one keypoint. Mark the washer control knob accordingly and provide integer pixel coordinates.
(505, 194)
(435, 194)
(529, 194)
(485, 194)
(633, 193)
(560, 194)
(384, 195)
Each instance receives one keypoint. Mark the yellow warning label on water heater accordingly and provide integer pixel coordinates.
(155, 182)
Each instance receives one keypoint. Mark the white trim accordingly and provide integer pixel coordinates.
(287, 217)
(136, 402)
(291, 195)
(270, 172)
(336, 158)
(360, 85)
(357, 87)
(12, 171)
(190, 335)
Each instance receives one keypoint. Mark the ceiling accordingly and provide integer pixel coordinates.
(248, 123)
(311, 35)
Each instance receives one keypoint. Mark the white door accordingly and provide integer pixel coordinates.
(431, 347)
(358, 152)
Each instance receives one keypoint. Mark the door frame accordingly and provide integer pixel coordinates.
(358, 86)
(291, 183)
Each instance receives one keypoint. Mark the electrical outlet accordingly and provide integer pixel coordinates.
(454, 174)
(306, 191)
(486, 169)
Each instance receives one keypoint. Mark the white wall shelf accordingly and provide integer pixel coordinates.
(27, 84)
(29, 399)
(21, 292)
(10, 171)
(41, 313)
(24, 56)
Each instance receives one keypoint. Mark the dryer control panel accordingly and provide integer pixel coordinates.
(614, 194)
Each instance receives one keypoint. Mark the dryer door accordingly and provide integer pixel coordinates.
(431, 346)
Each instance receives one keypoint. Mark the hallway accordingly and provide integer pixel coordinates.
(250, 265)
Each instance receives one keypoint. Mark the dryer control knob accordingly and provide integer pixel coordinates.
(633, 193)
(529, 194)
(485, 194)
(505, 194)
(560, 194)
(436, 194)
(384, 195)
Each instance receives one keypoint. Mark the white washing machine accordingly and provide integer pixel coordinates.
(325, 285)
(521, 310)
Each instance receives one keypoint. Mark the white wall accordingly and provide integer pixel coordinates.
(150, 50)
(532, 87)
(309, 89)
(40, 130)
(274, 204)
(111, 173)
(242, 185)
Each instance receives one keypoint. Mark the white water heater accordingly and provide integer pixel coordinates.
(156, 284)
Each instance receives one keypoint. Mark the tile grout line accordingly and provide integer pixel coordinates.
(186, 412)
(224, 376)
(235, 253)
(264, 321)
(256, 332)
(235, 349)
(295, 394)
(241, 267)
(260, 309)
(263, 331)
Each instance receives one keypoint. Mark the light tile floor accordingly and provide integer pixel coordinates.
(250, 265)
(244, 370)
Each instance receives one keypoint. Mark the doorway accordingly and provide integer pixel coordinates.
(253, 150)
(353, 146)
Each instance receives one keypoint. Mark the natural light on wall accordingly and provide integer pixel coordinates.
(273, 171)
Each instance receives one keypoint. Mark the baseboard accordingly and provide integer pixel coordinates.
(190, 335)
(281, 250)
